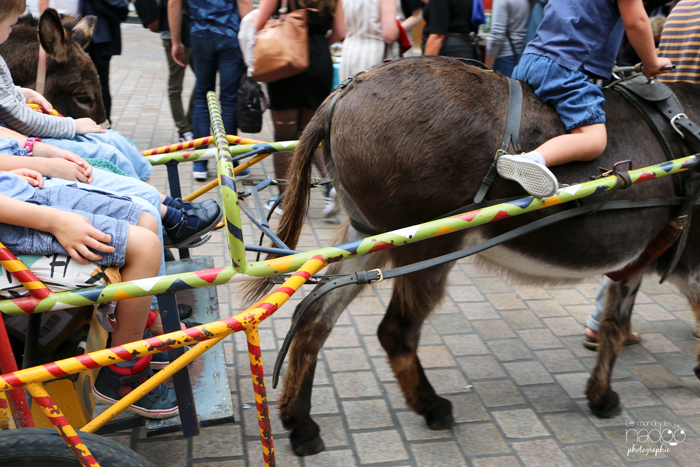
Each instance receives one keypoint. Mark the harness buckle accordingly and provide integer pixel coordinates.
(381, 276)
(673, 123)
(499, 153)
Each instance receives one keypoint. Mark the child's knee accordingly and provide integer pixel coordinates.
(147, 221)
(144, 246)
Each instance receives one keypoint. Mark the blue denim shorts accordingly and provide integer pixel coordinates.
(577, 101)
(116, 213)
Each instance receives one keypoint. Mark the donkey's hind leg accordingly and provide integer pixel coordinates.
(414, 297)
(614, 329)
(314, 329)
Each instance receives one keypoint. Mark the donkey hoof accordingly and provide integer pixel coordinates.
(610, 406)
(308, 448)
(440, 417)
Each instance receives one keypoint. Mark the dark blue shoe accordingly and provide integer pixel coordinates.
(113, 383)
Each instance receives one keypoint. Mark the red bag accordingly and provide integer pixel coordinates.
(404, 43)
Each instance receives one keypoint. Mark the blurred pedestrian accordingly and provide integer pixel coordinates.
(370, 26)
(506, 39)
(176, 73)
(449, 30)
(294, 100)
(214, 28)
(106, 40)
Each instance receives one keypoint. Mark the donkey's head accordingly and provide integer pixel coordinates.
(72, 85)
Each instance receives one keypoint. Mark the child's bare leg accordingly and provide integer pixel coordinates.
(142, 260)
(582, 144)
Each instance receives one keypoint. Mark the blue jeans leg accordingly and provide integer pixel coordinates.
(213, 52)
(593, 320)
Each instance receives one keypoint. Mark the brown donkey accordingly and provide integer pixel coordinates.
(412, 140)
(72, 84)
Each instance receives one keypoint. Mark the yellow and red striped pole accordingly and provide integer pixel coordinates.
(232, 139)
(53, 413)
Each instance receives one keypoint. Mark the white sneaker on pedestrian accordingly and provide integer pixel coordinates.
(200, 176)
(186, 136)
(271, 202)
(534, 177)
(330, 205)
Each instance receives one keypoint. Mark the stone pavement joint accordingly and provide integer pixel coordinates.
(508, 356)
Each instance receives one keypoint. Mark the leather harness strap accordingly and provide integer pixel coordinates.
(511, 134)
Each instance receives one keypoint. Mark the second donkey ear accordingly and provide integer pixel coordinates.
(53, 37)
(82, 32)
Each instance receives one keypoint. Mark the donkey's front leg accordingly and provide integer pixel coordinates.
(614, 329)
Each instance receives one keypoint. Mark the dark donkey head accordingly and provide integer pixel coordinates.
(72, 84)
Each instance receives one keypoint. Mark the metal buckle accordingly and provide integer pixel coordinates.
(381, 276)
(499, 153)
(673, 123)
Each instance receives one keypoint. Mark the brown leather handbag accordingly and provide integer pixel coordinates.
(281, 47)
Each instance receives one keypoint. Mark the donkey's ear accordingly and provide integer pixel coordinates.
(52, 36)
(82, 32)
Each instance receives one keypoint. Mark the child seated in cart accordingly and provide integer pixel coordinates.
(90, 226)
(575, 41)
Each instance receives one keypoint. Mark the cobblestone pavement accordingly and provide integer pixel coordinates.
(508, 356)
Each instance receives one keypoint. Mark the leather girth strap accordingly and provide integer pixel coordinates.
(511, 135)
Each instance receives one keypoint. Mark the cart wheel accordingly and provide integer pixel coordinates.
(44, 447)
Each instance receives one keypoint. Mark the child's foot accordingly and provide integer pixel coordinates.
(114, 382)
(534, 177)
(192, 225)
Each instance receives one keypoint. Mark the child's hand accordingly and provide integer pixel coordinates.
(34, 97)
(75, 233)
(656, 69)
(81, 173)
(87, 125)
(34, 178)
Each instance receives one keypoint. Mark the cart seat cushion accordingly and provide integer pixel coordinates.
(59, 273)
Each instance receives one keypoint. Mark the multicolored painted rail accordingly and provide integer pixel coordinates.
(305, 264)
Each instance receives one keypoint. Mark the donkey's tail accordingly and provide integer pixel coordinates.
(296, 198)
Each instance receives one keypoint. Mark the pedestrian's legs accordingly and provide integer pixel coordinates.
(230, 64)
(205, 66)
(175, 79)
(593, 320)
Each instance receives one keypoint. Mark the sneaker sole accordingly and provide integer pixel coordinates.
(191, 238)
(533, 177)
(155, 414)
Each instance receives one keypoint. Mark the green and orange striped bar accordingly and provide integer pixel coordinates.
(59, 421)
(195, 143)
(20, 272)
(277, 266)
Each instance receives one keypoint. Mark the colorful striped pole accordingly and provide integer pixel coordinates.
(53, 413)
(227, 184)
(276, 266)
(233, 139)
(20, 272)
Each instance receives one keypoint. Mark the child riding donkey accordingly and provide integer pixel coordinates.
(575, 41)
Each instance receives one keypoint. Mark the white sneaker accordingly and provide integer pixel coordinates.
(270, 202)
(536, 178)
(330, 206)
(200, 176)
(186, 136)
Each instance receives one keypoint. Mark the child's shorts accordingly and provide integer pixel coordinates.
(577, 101)
(116, 213)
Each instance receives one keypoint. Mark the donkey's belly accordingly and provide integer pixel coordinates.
(538, 269)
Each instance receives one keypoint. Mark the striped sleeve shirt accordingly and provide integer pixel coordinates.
(15, 113)
(680, 42)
